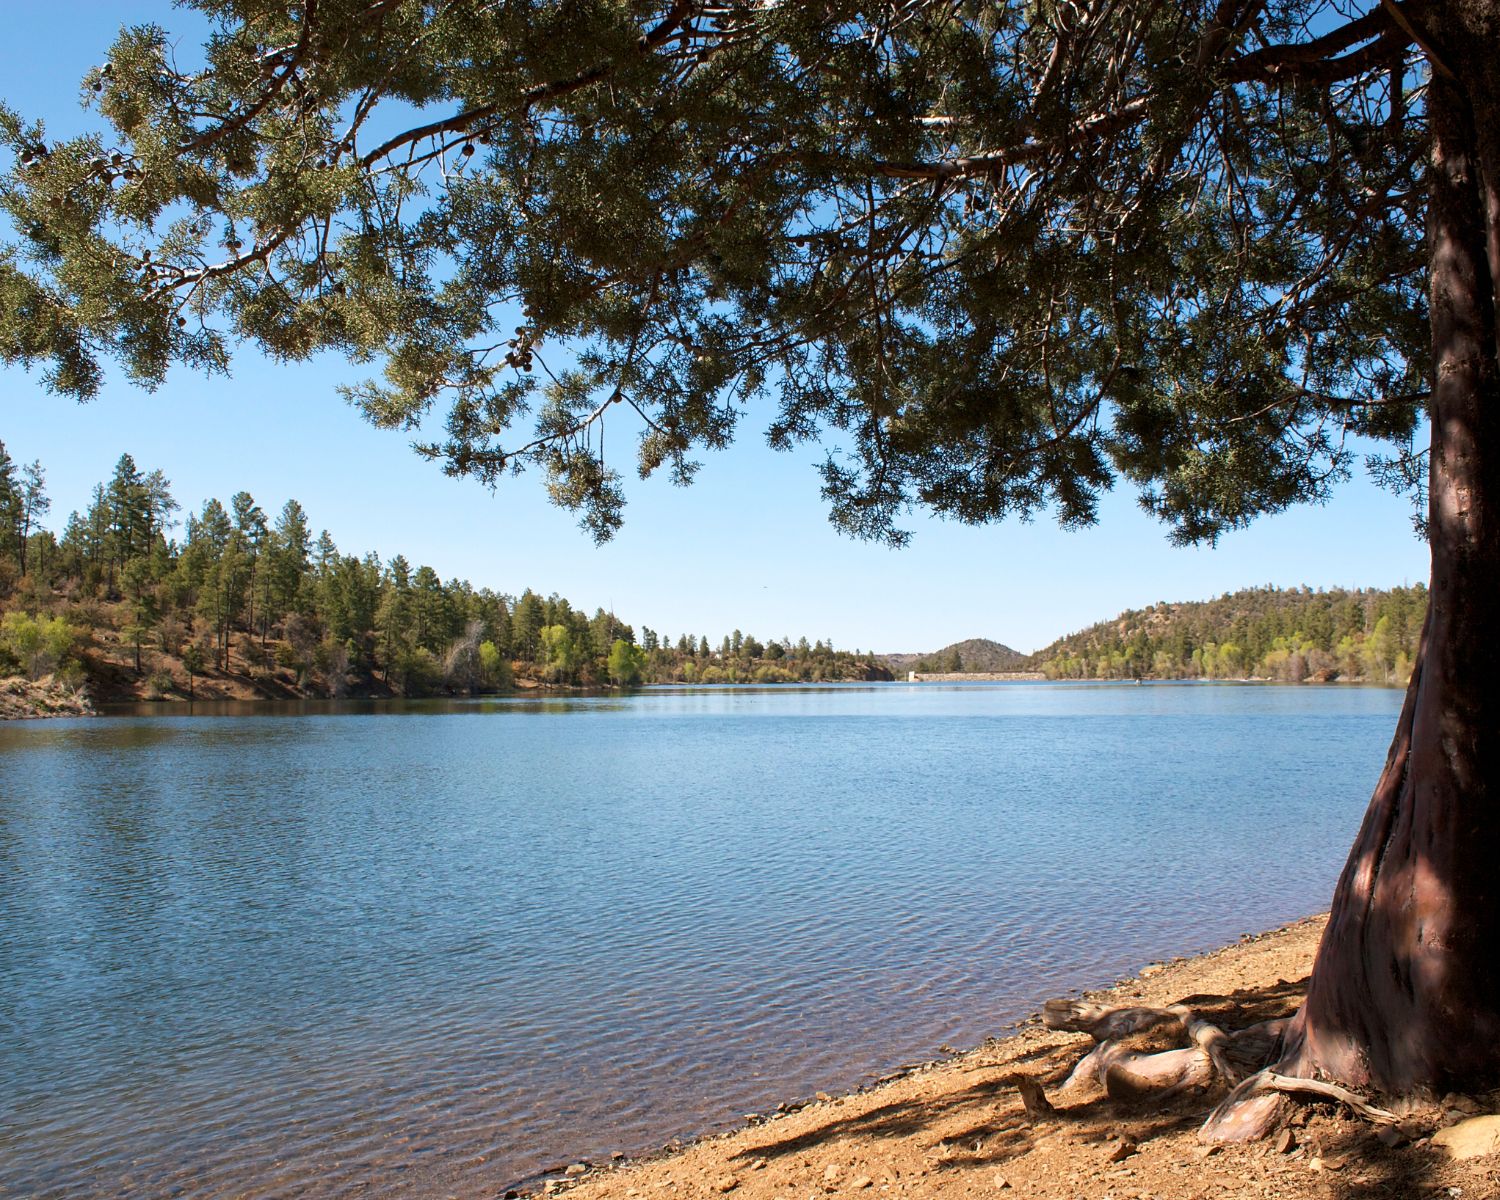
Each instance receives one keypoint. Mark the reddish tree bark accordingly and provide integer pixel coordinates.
(1404, 998)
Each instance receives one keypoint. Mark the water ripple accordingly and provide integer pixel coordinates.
(402, 951)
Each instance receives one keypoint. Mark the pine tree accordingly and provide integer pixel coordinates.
(250, 523)
(430, 627)
(129, 514)
(1006, 253)
(526, 626)
(11, 510)
(35, 504)
(395, 617)
(291, 547)
(160, 505)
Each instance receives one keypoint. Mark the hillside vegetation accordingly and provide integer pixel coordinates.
(976, 655)
(241, 606)
(1292, 634)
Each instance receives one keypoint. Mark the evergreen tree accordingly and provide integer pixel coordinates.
(138, 581)
(395, 618)
(129, 515)
(430, 627)
(11, 507)
(97, 540)
(291, 547)
(35, 504)
(160, 504)
(325, 555)
(250, 523)
(526, 626)
(212, 530)
(221, 592)
(1007, 252)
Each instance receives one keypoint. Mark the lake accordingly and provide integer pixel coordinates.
(425, 949)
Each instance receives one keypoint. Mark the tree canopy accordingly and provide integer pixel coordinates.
(994, 255)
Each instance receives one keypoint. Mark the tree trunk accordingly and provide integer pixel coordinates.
(1404, 998)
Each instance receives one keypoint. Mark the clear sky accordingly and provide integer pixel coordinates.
(748, 546)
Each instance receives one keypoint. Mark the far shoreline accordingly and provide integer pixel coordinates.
(45, 699)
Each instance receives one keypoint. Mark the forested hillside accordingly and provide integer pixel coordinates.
(974, 655)
(1294, 635)
(234, 602)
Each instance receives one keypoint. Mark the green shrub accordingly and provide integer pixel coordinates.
(492, 665)
(37, 644)
(159, 684)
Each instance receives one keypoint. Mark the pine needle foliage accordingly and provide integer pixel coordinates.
(994, 256)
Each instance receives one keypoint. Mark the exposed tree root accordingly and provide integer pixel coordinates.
(1038, 1107)
(1326, 1091)
(1103, 1023)
(1254, 1107)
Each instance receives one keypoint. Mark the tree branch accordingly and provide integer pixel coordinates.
(551, 90)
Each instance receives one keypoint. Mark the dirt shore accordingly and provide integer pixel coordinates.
(958, 1128)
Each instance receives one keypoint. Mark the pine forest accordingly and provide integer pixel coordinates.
(246, 605)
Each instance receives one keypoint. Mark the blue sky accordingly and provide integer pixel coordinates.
(748, 546)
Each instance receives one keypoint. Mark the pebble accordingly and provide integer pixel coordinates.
(726, 1183)
(861, 1181)
(576, 1169)
(1001, 1183)
(1123, 1151)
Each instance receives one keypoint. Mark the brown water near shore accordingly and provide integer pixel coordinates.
(957, 1128)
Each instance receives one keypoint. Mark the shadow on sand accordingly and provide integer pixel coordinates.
(980, 1122)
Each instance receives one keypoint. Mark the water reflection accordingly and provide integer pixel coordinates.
(322, 948)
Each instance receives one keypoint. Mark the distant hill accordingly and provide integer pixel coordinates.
(976, 655)
(1292, 634)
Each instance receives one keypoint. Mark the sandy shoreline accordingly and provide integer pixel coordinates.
(957, 1127)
